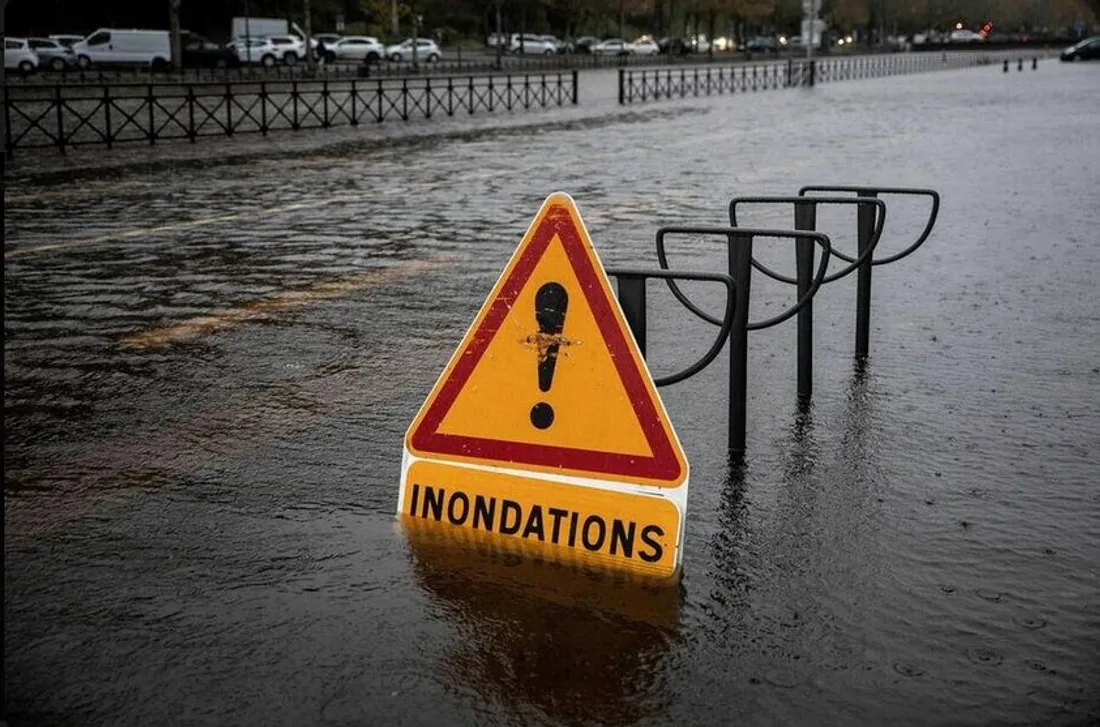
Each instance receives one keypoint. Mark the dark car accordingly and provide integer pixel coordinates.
(584, 44)
(198, 52)
(1087, 50)
(675, 46)
(761, 44)
(52, 54)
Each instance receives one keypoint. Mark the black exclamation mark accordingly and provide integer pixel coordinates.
(551, 300)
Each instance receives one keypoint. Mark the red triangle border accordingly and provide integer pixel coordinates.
(663, 465)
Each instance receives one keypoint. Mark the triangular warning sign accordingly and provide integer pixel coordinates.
(548, 377)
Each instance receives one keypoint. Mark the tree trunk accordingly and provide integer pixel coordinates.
(174, 25)
(710, 33)
(308, 11)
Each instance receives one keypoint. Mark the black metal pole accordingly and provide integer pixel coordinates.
(740, 269)
(805, 218)
(864, 230)
(632, 301)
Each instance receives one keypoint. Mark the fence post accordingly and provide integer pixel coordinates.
(60, 121)
(865, 226)
(191, 113)
(324, 104)
(622, 95)
(405, 99)
(9, 144)
(427, 97)
(263, 108)
(354, 97)
(228, 110)
(813, 71)
(450, 96)
(471, 79)
(576, 86)
(107, 112)
(294, 104)
(152, 118)
(805, 214)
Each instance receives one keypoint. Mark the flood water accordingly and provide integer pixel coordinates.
(210, 365)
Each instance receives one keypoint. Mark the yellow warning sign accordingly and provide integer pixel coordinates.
(547, 413)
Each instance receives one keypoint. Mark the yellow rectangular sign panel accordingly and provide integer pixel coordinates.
(625, 530)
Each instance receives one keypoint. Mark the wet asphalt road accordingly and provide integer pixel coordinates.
(210, 363)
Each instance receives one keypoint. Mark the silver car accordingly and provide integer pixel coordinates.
(426, 50)
(52, 54)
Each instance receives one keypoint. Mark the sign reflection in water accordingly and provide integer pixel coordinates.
(536, 632)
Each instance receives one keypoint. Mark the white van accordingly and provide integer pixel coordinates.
(150, 48)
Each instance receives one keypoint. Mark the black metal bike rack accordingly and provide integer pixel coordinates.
(632, 299)
(866, 226)
(740, 241)
(805, 218)
(734, 324)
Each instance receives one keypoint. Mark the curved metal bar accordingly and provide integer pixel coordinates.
(855, 262)
(724, 328)
(819, 238)
(899, 191)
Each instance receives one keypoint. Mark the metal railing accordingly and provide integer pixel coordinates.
(63, 116)
(637, 86)
(735, 324)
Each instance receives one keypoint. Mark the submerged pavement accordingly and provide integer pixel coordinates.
(210, 364)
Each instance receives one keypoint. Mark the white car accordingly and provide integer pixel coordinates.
(966, 36)
(426, 50)
(355, 48)
(613, 47)
(532, 45)
(19, 56)
(645, 48)
(289, 48)
(256, 50)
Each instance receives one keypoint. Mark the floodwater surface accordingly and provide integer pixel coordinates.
(209, 368)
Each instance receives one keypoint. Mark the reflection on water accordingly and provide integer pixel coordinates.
(576, 645)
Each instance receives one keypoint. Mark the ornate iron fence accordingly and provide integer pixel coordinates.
(62, 116)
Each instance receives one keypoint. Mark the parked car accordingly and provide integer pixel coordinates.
(645, 47)
(531, 44)
(289, 48)
(611, 47)
(67, 40)
(198, 52)
(18, 55)
(761, 44)
(362, 48)
(676, 46)
(51, 54)
(426, 50)
(496, 39)
(329, 39)
(965, 36)
(115, 46)
(1087, 50)
(584, 43)
(256, 50)
(552, 40)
